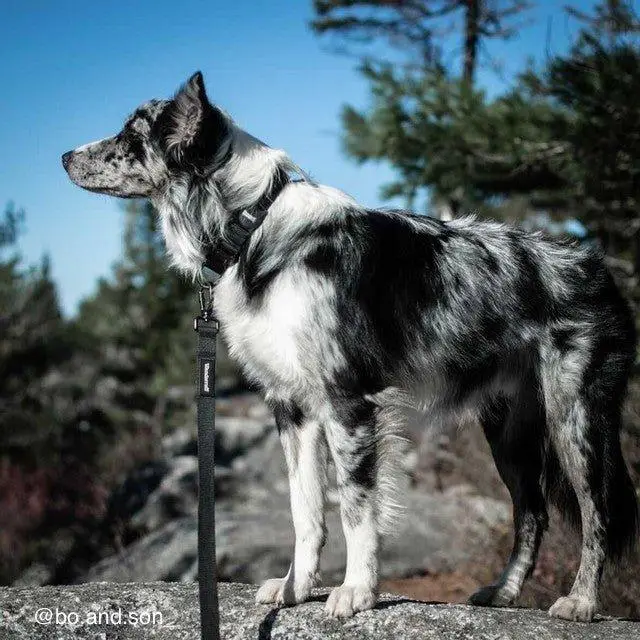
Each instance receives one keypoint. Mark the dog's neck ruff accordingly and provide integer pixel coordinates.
(226, 249)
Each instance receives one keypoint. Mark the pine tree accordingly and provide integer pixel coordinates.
(595, 83)
(32, 340)
(420, 27)
(564, 141)
(418, 103)
(144, 299)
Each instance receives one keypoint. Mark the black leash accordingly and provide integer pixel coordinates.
(207, 328)
(219, 257)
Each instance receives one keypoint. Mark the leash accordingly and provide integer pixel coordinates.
(206, 327)
(218, 258)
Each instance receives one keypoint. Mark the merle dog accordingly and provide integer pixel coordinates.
(342, 314)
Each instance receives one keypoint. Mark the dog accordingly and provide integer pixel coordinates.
(343, 315)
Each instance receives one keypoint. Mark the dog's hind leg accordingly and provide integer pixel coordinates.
(306, 454)
(514, 428)
(584, 395)
(351, 437)
(576, 459)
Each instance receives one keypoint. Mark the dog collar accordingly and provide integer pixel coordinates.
(225, 251)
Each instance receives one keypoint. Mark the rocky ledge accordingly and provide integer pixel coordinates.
(168, 611)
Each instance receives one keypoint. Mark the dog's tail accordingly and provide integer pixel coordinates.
(391, 447)
(623, 521)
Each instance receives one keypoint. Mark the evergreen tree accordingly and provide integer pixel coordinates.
(35, 346)
(595, 83)
(142, 318)
(445, 137)
(144, 300)
(32, 340)
(411, 101)
(565, 141)
(421, 27)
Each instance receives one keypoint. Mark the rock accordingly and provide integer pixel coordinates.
(132, 494)
(180, 442)
(439, 532)
(166, 554)
(255, 539)
(161, 491)
(170, 612)
(235, 436)
(176, 495)
(34, 575)
(263, 466)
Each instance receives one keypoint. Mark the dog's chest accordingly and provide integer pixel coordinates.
(266, 336)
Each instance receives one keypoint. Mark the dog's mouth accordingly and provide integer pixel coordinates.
(108, 191)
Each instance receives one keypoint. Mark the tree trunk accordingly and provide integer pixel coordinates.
(471, 37)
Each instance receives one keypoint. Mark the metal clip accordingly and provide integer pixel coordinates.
(205, 298)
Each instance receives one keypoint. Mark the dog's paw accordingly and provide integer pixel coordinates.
(573, 608)
(344, 601)
(269, 591)
(283, 592)
(492, 596)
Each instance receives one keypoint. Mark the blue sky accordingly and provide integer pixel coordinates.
(72, 71)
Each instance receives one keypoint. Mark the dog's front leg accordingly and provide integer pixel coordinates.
(305, 450)
(351, 439)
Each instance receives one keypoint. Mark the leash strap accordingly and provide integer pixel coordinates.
(218, 258)
(207, 328)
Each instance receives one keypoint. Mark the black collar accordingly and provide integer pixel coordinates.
(225, 251)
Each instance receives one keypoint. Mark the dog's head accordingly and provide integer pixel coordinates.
(160, 141)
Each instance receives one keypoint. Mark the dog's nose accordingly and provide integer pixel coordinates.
(66, 157)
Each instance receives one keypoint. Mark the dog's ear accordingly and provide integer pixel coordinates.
(188, 110)
(196, 126)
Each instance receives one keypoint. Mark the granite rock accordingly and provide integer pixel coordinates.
(169, 611)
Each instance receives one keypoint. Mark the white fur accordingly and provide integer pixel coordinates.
(306, 454)
(275, 342)
(87, 147)
(187, 214)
